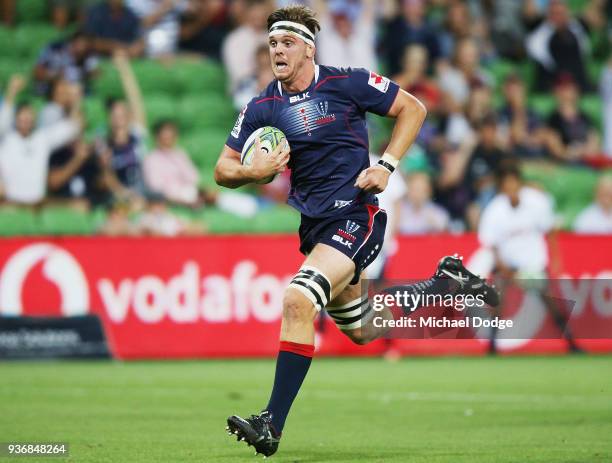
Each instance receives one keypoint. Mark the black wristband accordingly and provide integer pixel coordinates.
(387, 166)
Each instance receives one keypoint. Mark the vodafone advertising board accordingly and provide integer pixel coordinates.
(221, 296)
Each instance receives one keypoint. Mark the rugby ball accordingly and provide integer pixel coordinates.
(270, 138)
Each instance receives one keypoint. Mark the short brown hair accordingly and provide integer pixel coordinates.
(297, 13)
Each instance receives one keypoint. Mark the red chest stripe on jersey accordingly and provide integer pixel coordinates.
(329, 78)
(277, 98)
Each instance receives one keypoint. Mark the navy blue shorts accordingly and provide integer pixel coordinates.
(357, 232)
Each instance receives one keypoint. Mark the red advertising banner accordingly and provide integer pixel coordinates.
(222, 295)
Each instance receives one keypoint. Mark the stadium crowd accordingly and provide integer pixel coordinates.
(485, 69)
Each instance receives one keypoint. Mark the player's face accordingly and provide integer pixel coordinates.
(288, 56)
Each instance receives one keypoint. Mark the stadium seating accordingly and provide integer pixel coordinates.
(56, 220)
(17, 221)
(32, 11)
(193, 92)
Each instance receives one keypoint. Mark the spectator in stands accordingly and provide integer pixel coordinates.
(25, 150)
(71, 59)
(457, 80)
(7, 12)
(158, 220)
(467, 177)
(409, 27)
(458, 25)
(571, 135)
(203, 27)
(118, 220)
(241, 44)
(597, 218)
(122, 151)
(524, 130)
(75, 177)
(74, 173)
(348, 33)
(606, 96)
(485, 160)
(559, 44)
(418, 213)
(255, 84)
(61, 97)
(413, 76)
(113, 26)
(159, 20)
(504, 18)
(168, 170)
(63, 12)
(479, 104)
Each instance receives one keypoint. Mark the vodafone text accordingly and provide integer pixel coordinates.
(190, 297)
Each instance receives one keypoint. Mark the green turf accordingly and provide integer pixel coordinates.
(418, 410)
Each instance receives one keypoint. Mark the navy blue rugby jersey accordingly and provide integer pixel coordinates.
(326, 129)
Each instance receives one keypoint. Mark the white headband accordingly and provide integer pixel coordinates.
(292, 28)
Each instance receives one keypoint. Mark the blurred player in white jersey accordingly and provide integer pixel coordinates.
(514, 226)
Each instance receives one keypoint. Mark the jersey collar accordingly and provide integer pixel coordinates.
(316, 79)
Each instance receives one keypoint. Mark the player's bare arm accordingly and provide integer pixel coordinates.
(410, 114)
(231, 173)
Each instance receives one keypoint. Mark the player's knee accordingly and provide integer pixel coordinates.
(297, 308)
(309, 291)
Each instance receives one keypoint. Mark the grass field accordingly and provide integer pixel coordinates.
(517, 409)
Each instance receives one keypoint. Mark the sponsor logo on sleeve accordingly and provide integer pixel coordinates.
(238, 125)
(379, 82)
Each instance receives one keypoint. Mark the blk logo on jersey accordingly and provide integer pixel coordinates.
(342, 241)
(379, 82)
(298, 98)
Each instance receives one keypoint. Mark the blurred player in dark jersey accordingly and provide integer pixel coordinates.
(322, 110)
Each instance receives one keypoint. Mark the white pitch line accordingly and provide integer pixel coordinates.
(386, 397)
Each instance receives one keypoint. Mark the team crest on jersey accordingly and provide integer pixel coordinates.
(238, 125)
(322, 107)
(379, 82)
(351, 227)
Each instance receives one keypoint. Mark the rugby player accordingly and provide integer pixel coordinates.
(321, 110)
